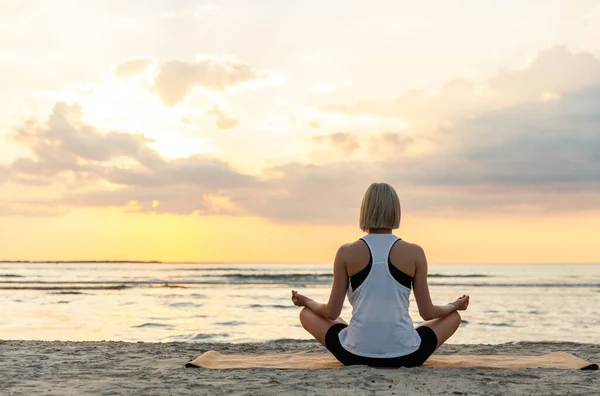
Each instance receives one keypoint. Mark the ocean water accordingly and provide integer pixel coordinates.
(251, 303)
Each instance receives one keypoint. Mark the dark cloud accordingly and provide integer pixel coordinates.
(538, 143)
(536, 159)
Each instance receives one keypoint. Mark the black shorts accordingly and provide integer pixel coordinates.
(417, 358)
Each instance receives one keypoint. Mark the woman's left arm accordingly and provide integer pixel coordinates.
(333, 308)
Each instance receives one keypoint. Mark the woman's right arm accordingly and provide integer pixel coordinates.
(427, 310)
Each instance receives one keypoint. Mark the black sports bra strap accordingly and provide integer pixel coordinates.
(357, 279)
(399, 276)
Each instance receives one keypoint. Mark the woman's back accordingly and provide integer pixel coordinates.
(377, 273)
(379, 289)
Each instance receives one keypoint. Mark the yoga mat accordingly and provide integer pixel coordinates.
(556, 360)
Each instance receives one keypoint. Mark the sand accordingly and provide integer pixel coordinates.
(118, 368)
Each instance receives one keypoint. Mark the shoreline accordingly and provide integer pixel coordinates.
(122, 368)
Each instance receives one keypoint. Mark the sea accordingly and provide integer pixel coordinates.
(161, 302)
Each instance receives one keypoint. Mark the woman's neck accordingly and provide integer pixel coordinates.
(380, 230)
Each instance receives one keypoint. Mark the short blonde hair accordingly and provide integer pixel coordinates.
(380, 208)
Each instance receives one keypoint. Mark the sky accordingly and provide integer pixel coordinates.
(247, 131)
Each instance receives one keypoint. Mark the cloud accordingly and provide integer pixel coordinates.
(65, 143)
(382, 144)
(308, 193)
(537, 158)
(174, 81)
(133, 67)
(223, 122)
(177, 79)
(390, 143)
(345, 142)
(112, 168)
(5, 172)
(195, 170)
(497, 149)
(551, 72)
(181, 199)
(529, 145)
(520, 155)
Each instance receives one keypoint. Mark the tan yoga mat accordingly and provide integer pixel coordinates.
(556, 360)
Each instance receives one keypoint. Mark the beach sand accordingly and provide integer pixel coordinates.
(119, 368)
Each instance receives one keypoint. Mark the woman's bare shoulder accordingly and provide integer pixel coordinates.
(409, 247)
(352, 247)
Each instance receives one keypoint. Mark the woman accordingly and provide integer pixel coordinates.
(377, 273)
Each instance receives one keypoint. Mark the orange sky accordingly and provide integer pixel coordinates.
(109, 235)
(193, 131)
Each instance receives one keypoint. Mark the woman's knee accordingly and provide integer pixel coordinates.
(456, 318)
(304, 314)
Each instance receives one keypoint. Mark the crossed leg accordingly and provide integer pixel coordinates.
(443, 327)
(317, 325)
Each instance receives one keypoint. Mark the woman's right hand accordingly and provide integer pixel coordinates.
(462, 303)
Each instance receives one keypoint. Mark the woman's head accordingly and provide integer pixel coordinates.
(380, 208)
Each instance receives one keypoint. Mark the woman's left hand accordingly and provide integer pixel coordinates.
(298, 299)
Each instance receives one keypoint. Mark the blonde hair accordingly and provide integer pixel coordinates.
(380, 208)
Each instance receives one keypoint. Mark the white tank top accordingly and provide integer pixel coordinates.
(380, 326)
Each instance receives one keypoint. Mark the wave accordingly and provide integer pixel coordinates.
(273, 278)
(152, 325)
(178, 317)
(75, 287)
(554, 285)
(11, 276)
(169, 296)
(47, 288)
(232, 323)
(497, 324)
(185, 305)
(67, 292)
(276, 306)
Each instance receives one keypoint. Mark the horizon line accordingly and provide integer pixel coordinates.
(258, 262)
